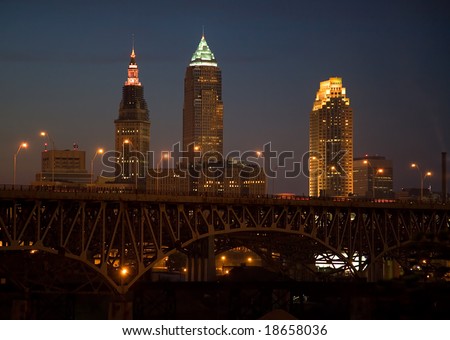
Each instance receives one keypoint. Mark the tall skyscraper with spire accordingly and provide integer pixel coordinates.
(203, 106)
(132, 128)
(203, 137)
(331, 141)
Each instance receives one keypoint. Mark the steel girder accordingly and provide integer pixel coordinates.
(134, 232)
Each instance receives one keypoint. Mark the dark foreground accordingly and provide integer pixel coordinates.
(239, 300)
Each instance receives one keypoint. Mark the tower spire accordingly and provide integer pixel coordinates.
(133, 71)
(203, 55)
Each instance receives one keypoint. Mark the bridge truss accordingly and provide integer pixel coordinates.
(115, 240)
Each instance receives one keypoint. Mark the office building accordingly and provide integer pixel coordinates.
(331, 141)
(232, 179)
(63, 166)
(132, 129)
(203, 106)
(205, 172)
(373, 177)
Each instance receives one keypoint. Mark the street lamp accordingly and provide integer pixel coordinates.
(128, 142)
(375, 172)
(22, 145)
(197, 152)
(165, 155)
(259, 154)
(45, 134)
(123, 275)
(379, 171)
(422, 178)
(223, 258)
(97, 152)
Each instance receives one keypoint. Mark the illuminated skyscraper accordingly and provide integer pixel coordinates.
(203, 106)
(331, 141)
(132, 128)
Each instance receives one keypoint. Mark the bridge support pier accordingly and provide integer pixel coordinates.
(201, 264)
(120, 310)
(375, 271)
(383, 269)
(391, 269)
(21, 309)
(303, 269)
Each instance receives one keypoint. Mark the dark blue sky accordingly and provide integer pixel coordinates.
(63, 64)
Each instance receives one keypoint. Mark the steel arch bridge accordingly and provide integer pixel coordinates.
(107, 233)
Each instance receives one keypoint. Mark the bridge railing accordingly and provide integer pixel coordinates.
(132, 191)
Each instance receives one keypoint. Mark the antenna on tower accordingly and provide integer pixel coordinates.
(132, 41)
(203, 31)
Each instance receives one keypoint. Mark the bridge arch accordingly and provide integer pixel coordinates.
(318, 248)
(136, 231)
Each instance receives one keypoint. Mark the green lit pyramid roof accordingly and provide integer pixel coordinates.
(203, 55)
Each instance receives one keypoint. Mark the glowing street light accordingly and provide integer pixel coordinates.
(123, 274)
(223, 258)
(375, 172)
(128, 142)
(196, 154)
(422, 178)
(45, 134)
(24, 146)
(164, 156)
(379, 171)
(259, 154)
(97, 152)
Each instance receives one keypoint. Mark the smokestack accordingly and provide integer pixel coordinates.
(444, 177)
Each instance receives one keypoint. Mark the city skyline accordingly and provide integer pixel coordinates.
(399, 99)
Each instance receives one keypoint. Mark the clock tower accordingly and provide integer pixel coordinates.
(132, 130)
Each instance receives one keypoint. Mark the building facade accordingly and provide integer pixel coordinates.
(63, 166)
(331, 141)
(132, 129)
(203, 106)
(373, 177)
(229, 179)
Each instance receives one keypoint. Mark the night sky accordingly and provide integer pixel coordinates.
(63, 65)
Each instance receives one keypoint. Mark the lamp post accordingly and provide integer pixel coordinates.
(379, 171)
(422, 178)
(22, 145)
(375, 172)
(123, 275)
(128, 142)
(97, 152)
(223, 258)
(313, 171)
(45, 134)
(259, 154)
(165, 155)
